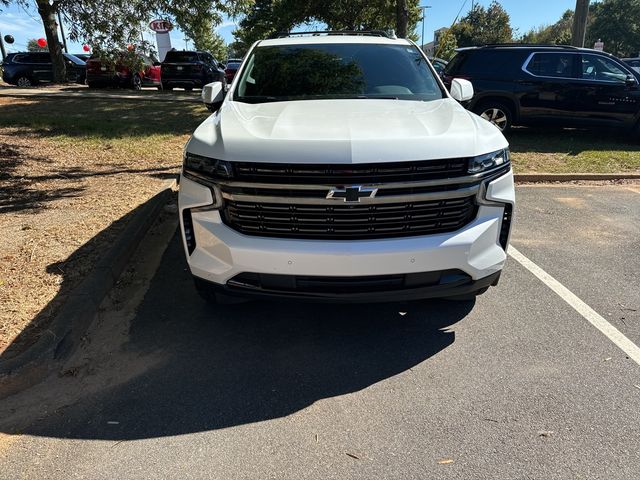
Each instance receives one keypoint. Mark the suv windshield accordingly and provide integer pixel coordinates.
(329, 71)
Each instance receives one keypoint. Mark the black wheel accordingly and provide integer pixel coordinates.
(166, 87)
(93, 85)
(469, 297)
(188, 89)
(23, 82)
(136, 82)
(497, 113)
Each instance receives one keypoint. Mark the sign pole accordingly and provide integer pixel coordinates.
(4, 52)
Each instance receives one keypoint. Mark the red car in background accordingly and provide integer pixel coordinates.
(99, 75)
(233, 64)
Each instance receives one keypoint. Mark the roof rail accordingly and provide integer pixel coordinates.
(494, 45)
(368, 33)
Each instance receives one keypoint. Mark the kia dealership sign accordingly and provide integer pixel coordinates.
(161, 26)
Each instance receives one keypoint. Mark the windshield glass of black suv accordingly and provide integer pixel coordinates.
(332, 71)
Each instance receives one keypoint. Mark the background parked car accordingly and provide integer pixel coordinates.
(101, 75)
(230, 69)
(566, 86)
(25, 69)
(634, 63)
(190, 70)
(82, 56)
(438, 64)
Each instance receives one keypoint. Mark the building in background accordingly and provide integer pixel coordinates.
(432, 47)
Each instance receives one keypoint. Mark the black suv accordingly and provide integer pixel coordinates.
(190, 69)
(561, 85)
(25, 69)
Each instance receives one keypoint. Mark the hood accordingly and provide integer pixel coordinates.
(344, 132)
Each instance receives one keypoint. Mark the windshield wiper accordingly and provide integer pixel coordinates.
(260, 99)
(377, 97)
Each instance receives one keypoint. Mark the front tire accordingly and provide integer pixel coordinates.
(24, 82)
(136, 82)
(497, 113)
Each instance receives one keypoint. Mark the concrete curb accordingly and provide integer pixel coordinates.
(74, 318)
(573, 177)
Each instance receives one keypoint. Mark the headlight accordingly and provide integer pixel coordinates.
(207, 168)
(482, 163)
(207, 171)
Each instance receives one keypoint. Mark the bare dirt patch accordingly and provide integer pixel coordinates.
(70, 172)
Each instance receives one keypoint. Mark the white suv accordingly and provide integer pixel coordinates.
(338, 167)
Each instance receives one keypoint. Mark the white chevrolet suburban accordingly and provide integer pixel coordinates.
(338, 167)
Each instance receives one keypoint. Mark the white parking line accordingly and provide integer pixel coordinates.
(612, 333)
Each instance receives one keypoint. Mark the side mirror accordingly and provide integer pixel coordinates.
(461, 90)
(630, 81)
(213, 95)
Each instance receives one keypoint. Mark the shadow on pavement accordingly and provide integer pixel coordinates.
(234, 365)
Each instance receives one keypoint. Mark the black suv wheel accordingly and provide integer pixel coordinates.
(497, 113)
(24, 82)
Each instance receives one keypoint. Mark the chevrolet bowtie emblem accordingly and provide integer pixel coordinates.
(352, 194)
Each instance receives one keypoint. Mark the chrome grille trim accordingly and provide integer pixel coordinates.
(409, 198)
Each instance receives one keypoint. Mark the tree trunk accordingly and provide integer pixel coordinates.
(47, 12)
(402, 18)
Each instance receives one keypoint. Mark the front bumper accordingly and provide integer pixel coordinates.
(222, 253)
(182, 82)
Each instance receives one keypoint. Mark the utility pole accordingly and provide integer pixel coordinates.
(64, 40)
(423, 16)
(579, 29)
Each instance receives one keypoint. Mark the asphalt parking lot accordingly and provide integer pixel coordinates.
(519, 385)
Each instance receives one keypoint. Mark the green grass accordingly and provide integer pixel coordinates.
(573, 151)
(96, 119)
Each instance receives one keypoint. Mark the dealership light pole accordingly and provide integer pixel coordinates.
(423, 16)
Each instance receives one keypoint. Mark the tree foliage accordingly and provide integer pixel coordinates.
(271, 16)
(447, 47)
(617, 24)
(112, 25)
(482, 26)
(32, 46)
(558, 33)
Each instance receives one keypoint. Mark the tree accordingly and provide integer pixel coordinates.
(484, 26)
(447, 47)
(109, 25)
(617, 24)
(270, 16)
(32, 46)
(557, 34)
(48, 11)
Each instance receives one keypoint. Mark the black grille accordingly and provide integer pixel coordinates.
(345, 285)
(350, 174)
(342, 221)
